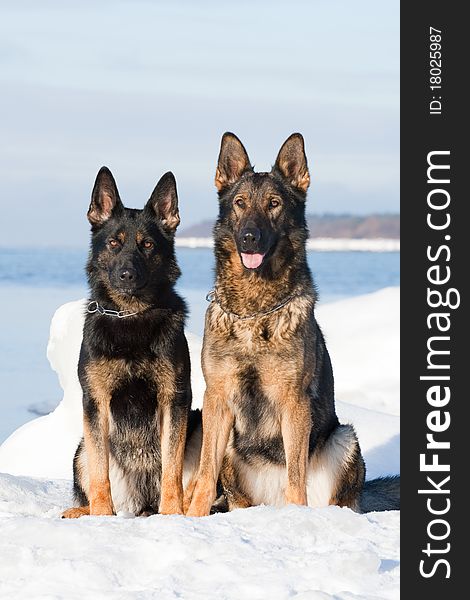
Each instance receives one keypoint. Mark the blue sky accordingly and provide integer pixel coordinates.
(145, 87)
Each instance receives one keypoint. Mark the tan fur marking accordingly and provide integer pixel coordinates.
(292, 162)
(229, 479)
(131, 303)
(188, 493)
(295, 427)
(102, 376)
(219, 180)
(101, 214)
(237, 168)
(232, 162)
(171, 221)
(173, 436)
(97, 449)
(304, 181)
(76, 513)
(217, 422)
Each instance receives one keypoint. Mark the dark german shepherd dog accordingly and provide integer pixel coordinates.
(134, 362)
(269, 423)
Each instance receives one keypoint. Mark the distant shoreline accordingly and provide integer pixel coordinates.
(318, 244)
(326, 226)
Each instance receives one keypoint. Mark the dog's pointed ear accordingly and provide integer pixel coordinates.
(233, 161)
(291, 162)
(105, 198)
(163, 203)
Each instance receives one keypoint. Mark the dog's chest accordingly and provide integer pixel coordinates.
(272, 332)
(134, 421)
(134, 401)
(130, 390)
(258, 337)
(257, 415)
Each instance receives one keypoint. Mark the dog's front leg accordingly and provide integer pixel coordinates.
(296, 427)
(96, 438)
(217, 421)
(173, 437)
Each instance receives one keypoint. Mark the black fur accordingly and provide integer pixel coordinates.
(382, 493)
(132, 268)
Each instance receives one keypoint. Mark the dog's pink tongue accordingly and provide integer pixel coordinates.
(252, 261)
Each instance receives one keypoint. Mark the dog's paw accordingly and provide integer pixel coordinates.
(171, 499)
(76, 512)
(198, 510)
(171, 506)
(101, 503)
(101, 507)
(296, 496)
(102, 510)
(200, 504)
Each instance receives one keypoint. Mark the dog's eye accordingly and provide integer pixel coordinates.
(239, 202)
(113, 243)
(147, 245)
(273, 203)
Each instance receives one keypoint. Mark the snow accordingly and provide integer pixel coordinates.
(318, 244)
(362, 336)
(261, 552)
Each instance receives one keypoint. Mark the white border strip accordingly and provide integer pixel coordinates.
(319, 244)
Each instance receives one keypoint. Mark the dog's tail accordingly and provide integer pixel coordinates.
(382, 493)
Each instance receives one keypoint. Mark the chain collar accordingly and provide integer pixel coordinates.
(212, 297)
(94, 307)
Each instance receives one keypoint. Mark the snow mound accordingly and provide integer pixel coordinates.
(263, 552)
(256, 553)
(362, 336)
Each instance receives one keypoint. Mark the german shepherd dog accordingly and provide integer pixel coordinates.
(134, 364)
(269, 423)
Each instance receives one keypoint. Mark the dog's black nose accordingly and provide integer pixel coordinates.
(127, 275)
(250, 238)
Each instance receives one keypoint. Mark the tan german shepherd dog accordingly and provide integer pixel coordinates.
(270, 429)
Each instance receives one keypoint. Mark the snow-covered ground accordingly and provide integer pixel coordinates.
(262, 552)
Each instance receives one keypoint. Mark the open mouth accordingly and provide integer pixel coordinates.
(252, 260)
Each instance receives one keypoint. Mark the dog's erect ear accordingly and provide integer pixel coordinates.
(291, 162)
(164, 203)
(233, 161)
(104, 198)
